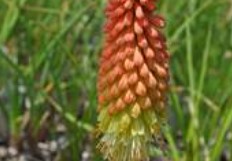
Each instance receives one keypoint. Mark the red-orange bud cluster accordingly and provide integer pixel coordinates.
(134, 62)
(132, 80)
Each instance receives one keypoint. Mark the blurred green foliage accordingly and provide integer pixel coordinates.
(49, 53)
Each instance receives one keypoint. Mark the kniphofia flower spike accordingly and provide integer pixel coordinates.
(132, 81)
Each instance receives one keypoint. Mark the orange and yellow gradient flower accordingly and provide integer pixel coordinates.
(132, 81)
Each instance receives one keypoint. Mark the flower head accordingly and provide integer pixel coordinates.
(132, 80)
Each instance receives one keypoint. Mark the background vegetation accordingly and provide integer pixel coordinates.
(49, 52)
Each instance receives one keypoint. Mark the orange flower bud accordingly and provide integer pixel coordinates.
(132, 81)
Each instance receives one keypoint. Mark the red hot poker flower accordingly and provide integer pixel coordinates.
(132, 81)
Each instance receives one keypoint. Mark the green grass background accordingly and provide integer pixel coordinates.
(49, 51)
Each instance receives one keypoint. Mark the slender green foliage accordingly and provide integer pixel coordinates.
(49, 53)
